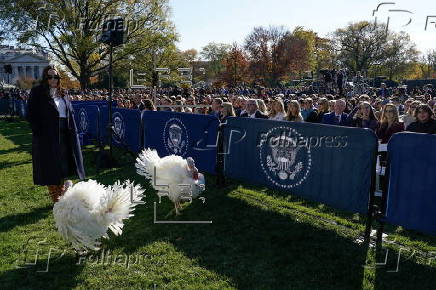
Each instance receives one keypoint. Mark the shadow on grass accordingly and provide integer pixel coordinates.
(255, 248)
(262, 249)
(320, 207)
(400, 272)
(61, 273)
(12, 164)
(18, 133)
(11, 221)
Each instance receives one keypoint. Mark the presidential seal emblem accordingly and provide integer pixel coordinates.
(284, 159)
(83, 121)
(175, 137)
(119, 127)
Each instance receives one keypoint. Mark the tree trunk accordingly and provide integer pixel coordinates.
(84, 78)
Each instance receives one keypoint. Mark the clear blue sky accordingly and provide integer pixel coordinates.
(199, 22)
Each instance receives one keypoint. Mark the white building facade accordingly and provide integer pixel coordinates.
(26, 63)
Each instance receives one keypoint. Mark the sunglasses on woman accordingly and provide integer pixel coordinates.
(51, 77)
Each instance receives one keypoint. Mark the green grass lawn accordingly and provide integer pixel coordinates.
(258, 239)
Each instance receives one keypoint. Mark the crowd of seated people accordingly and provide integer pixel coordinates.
(384, 113)
(384, 110)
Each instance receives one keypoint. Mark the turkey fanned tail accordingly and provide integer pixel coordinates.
(88, 209)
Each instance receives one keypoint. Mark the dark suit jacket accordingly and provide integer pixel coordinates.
(258, 114)
(382, 92)
(43, 117)
(313, 116)
(215, 114)
(418, 127)
(384, 133)
(330, 119)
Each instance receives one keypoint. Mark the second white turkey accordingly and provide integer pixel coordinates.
(171, 176)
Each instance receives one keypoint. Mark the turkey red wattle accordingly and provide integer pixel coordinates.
(194, 172)
(195, 175)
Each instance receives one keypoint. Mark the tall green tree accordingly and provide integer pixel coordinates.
(308, 63)
(369, 46)
(361, 44)
(400, 55)
(70, 29)
(428, 64)
(324, 54)
(214, 54)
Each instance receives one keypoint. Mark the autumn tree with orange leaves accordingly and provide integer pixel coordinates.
(275, 53)
(236, 64)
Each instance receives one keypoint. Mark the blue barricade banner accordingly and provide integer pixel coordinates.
(18, 106)
(411, 199)
(327, 164)
(98, 103)
(182, 134)
(4, 106)
(87, 120)
(127, 129)
(103, 121)
(21, 108)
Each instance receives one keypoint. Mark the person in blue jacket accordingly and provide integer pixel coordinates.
(337, 117)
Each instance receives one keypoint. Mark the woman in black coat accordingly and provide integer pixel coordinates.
(56, 150)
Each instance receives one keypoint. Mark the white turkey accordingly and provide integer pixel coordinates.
(171, 176)
(88, 209)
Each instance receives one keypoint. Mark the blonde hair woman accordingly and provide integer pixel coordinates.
(294, 112)
(389, 123)
(409, 118)
(262, 107)
(332, 105)
(227, 111)
(277, 111)
(179, 109)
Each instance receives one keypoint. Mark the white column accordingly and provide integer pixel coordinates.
(41, 69)
(35, 72)
(29, 71)
(15, 74)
